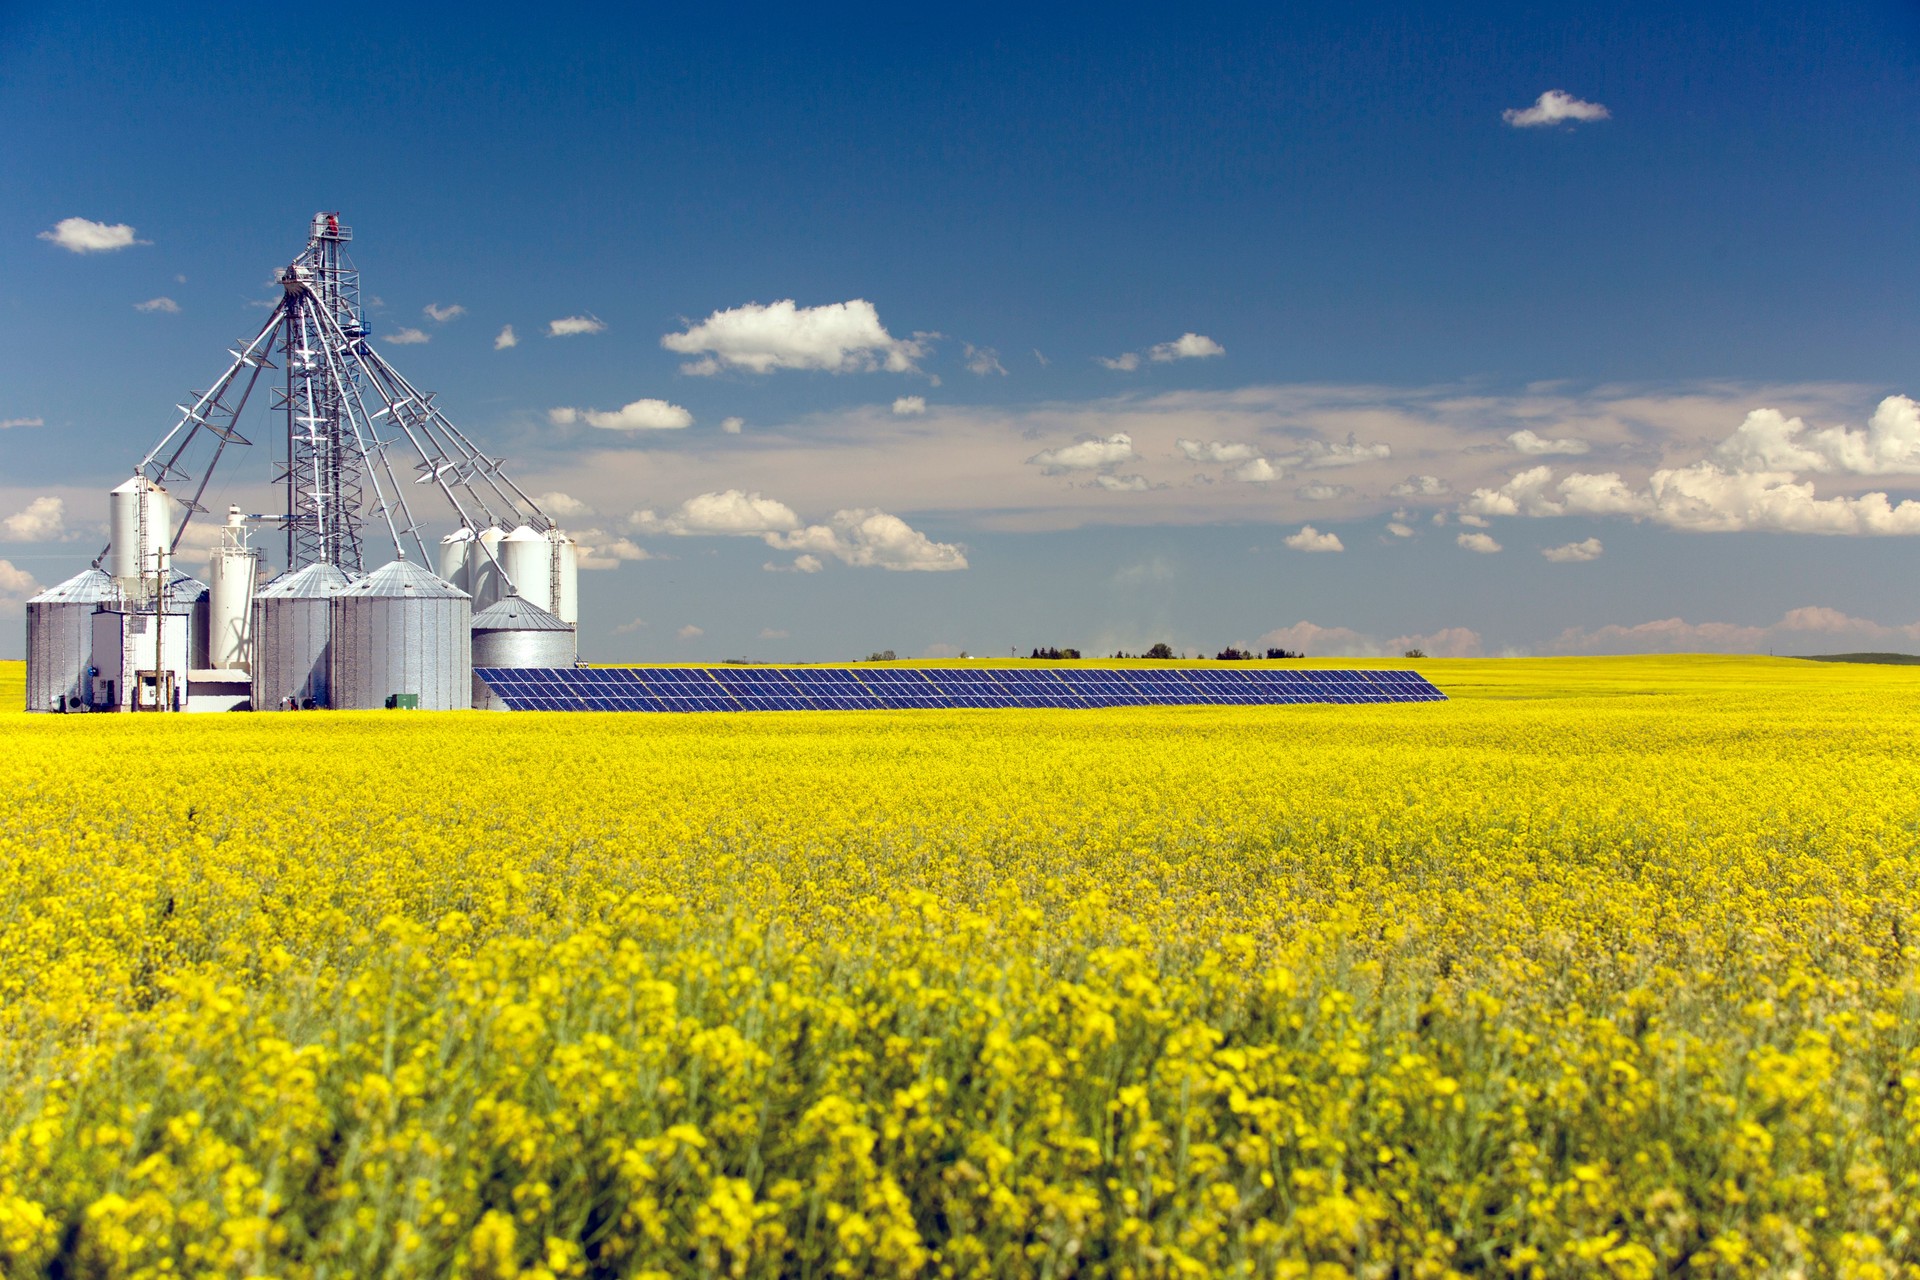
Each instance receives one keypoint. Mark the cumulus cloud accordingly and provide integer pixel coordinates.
(1253, 471)
(1093, 454)
(1574, 552)
(840, 337)
(7, 424)
(1420, 487)
(1125, 363)
(1770, 441)
(440, 315)
(628, 628)
(909, 406)
(1216, 451)
(983, 360)
(1337, 453)
(16, 584)
(1188, 346)
(82, 235)
(163, 305)
(1527, 442)
(1320, 491)
(801, 564)
(640, 415)
(732, 426)
(1311, 539)
(599, 549)
(1480, 542)
(729, 511)
(1123, 484)
(560, 504)
(1553, 107)
(690, 632)
(406, 337)
(1399, 530)
(868, 538)
(505, 338)
(571, 326)
(43, 520)
(1808, 629)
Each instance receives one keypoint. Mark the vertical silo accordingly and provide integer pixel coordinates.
(60, 641)
(483, 567)
(526, 556)
(231, 575)
(187, 594)
(566, 577)
(292, 627)
(402, 632)
(455, 549)
(515, 633)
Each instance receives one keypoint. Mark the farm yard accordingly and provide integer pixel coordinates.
(1605, 967)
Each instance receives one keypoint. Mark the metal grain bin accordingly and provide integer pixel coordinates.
(60, 640)
(292, 626)
(515, 633)
(402, 630)
(187, 594)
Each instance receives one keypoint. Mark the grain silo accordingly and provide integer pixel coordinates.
(401, 638)
(516, 633)
(60, 641)
(292, 626)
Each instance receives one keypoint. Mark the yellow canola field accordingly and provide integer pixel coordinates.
(1604, 968)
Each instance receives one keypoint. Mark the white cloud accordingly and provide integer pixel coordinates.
(729, 511)
(1478, 522)
(1809, 629)
(599, 549)
(732, 426)
(7, 424)
(640, 415)
(1770, 441)
(1216, 451)
(166, 306)
(81, 235)
(1125, 363)
(406, 337)
(773, 633)
(1448, 642)
(983, 360)
(1188, 346)
(841, 337)
(1553, 107)
(690, 632)
(1480, 542)
(1087, 455)
(801, 564)
(1253, 471)
(1528, 442)
(1318, 641)
(1419, 487)
(1574, 552)
(1399, 530)
(868, 538)
(1338, 453)
(1311, 539)
(908, 406)
(505, 338)
(572, 326)
(628, 628)
(440, 315)
(1320, 491)
(1123, 484)
(563, 505)
(16, 584)
(44, 520)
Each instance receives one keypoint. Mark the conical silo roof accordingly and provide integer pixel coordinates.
(515, 614)
(404, 578)
(315, 582)
(89, 586)
(184, 588)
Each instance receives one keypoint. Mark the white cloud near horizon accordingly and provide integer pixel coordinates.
(839, 337)
(1311, 539)
(83, 235)
(1126, 362)
(1527, 442)
(1555, 106)
(1317, 641)
(1575, 552)
(42, 520)
(1805, 630)
(909, 406)
(1188, 346)
(1480, 543)
(861, 537)
(1095, 454)
(1216, 451)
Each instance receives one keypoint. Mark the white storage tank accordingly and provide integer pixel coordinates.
(455, 549)
(566, 577)
(516, 633)
(523, 554)
(292, 630)
(483, 582)
(60, 641)
(231, 574)
(140, 524)
(402, 633)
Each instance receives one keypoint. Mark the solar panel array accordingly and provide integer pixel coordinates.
(903, 688)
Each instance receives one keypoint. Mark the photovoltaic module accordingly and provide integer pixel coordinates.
(907, 688)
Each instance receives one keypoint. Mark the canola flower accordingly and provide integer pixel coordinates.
(1604, 968)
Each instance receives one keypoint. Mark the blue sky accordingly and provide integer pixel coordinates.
(1384, 280)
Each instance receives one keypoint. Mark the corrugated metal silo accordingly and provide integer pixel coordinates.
(60, 640)
(516, 633)
(292, 625)
(401, 630)
(187, 594)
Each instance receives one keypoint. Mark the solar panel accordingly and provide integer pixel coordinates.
(743, 688)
